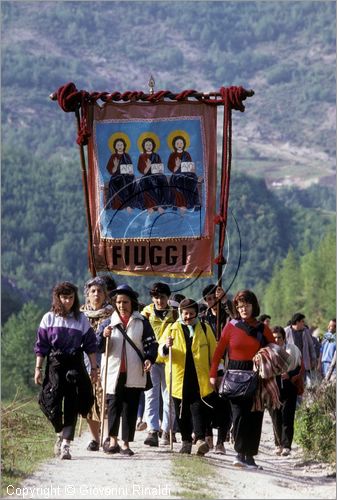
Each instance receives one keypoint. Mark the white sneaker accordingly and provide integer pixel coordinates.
(65, 452)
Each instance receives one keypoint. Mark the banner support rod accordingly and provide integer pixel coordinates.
(86, 197)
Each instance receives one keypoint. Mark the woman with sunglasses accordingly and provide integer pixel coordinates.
(243, 337)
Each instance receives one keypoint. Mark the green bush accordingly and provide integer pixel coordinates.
(315, 424)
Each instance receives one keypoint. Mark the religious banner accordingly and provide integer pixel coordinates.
(151, 183)
(152, 187)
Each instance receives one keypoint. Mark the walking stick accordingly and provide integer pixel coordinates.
(104, 389)
(80, 426)
(170, 398)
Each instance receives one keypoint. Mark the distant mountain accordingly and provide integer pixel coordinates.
(285, 51)
(282, 189)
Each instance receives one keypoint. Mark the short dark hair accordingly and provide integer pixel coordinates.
(208, 290)
(250, 298)
(65, 288)
(279, 329)
(178, 297)
(160, 288)
(296, 318)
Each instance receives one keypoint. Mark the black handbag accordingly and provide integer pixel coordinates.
(238, 384)
(149, 384)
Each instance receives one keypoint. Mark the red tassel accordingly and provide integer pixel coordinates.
(220, 259)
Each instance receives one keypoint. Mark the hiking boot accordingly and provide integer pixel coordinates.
(112, 450)
(93, 446)
(127, 452)
(250, 463)
(165, 439)
(186, 448)
(285, 452)
(152, 439)
(65, 452)
(57, 446)
(239, 460)
(202, 447)
(220, 449)
(209, 441)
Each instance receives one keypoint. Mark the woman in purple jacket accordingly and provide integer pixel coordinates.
(62, 337)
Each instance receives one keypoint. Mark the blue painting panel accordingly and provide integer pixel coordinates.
(151, 177)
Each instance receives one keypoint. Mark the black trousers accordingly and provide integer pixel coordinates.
(220, 417)
(65, 421)
(283, 418)
(124, 403)
(247, 427)
(192, 416)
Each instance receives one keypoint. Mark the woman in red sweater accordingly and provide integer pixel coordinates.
(243, 338)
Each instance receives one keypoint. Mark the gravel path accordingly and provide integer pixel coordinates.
(149, 474)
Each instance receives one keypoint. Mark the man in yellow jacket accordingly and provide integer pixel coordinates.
(193, 345)
(160, 315)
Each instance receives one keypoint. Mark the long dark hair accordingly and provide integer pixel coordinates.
(65, 288)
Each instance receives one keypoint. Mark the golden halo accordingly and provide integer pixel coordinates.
(119, 135)
(175, 133)
(152, 136)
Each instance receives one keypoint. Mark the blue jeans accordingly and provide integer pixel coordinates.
(152, 400)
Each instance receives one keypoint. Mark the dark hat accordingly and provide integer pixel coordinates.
(189, 303)
(125, 289)
(160, 288)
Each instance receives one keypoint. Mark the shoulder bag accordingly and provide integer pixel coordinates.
(238, 384)
(149, 384)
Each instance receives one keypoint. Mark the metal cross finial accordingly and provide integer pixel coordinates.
(151, 85)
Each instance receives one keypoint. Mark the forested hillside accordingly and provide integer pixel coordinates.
(285, 51)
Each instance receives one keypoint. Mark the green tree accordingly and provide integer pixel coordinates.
(17, 356)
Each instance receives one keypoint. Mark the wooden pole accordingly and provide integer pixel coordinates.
(86, 199)
(104, 389)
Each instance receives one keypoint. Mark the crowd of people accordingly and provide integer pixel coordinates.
(164, 366)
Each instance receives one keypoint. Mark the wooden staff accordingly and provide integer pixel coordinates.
(104, 388)
(170, 398)
(80, 426)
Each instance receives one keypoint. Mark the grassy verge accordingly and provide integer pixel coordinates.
(315, 424)
(194, 475)
(27, 439)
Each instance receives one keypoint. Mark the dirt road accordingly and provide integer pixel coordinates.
(152, 473)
